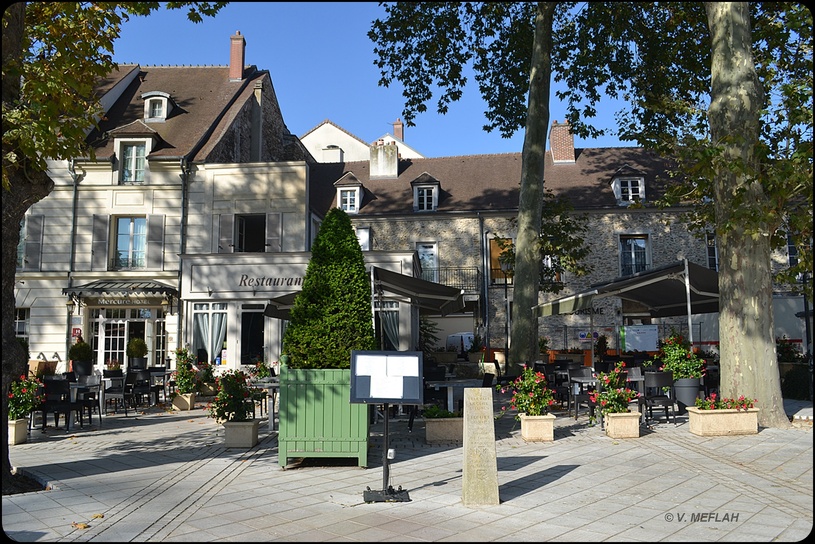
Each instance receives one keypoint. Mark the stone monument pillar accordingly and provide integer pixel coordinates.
(480, 474)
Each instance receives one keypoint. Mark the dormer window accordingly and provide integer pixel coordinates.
(425, 193)
(133, 155)
(628, 190)
(349, 193)
(157, 106)
(348, 199)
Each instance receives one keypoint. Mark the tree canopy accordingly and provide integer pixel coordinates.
(661, 59)
(54, 53)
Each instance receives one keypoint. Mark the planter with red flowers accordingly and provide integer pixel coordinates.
(715, 416)
(232, 406)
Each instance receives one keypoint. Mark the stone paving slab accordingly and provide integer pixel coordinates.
(166, 477)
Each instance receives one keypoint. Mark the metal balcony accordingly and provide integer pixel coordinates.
(466, 278)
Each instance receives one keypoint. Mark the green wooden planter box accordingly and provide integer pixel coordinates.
(317, 418)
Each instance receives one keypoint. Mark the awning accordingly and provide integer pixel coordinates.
(122, 287)
(426, 294)
(566, 305)
(280, 306)
(664, 291)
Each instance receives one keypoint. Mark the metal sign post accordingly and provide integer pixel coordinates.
(382, 377)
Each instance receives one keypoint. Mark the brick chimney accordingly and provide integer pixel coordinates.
(399, 130)
(237, 54)
(561, 142)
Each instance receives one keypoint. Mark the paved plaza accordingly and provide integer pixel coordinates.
(160, 476)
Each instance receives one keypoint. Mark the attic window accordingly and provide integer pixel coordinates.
(348, 199)
(425, 198)
(628, 190)
(157, 106)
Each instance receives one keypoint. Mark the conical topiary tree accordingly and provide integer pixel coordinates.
(331, 316)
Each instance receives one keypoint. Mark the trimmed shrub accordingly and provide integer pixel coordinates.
(331, 316)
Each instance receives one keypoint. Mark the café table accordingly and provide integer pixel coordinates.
(272, 386)
(161, 377)
(451, 386)
(75, 389)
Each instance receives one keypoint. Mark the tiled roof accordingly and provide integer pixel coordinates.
(203, 94)
(491, 182)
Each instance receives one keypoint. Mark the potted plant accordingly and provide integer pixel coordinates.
(713, 416)
(23, 397)
(446, 356)
(676, 356)
(232, 407)
(262, 371)
(442, 425)
(532, 399)
(137, 353)
(80, 351)
(206, 381)
(543, 348)
(330, 317)
(611, 399)
(186, 381)
(476, 351)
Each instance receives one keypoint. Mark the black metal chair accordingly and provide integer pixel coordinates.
(121, 392)
(578, 392)
(57, 401)
(88, 397)
(656, 396)
(143, 387)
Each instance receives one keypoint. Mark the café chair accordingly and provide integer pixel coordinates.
(88, 397)
(57, 401)
(656, 396)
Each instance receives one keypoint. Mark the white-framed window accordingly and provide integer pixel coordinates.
(628, 190)
(429, 259)
(22, 319)
(551, 262)
(156, 108)
(348, 199)
(250, 233)
(130, 251)
(21, 245)
(635, 253)
(133, 162)
(364, 237)
(425, 198)
(209, 331)
(712, 251)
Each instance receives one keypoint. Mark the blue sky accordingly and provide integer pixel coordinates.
(322, 67)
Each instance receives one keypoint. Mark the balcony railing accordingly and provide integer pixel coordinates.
(466, 278)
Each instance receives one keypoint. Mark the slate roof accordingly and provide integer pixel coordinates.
(491, 182)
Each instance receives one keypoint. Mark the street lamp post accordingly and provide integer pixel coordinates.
(506, 268)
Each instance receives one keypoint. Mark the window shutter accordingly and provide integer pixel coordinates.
(99, 243)
(155, 241)
(226, 231)
(273, 232)
(33, 242)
